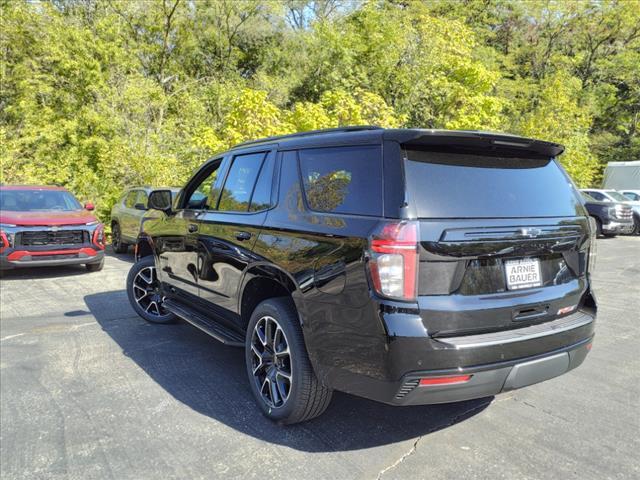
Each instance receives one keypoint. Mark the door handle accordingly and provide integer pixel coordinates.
(243, 236)
(193, 228)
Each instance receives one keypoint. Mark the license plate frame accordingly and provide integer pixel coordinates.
(521, 273)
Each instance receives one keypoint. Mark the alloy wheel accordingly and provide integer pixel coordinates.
(146, 292)
(271, 362)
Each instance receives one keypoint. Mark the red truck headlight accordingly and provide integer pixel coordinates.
(98, 237)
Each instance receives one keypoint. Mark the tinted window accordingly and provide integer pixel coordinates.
(598, 196)
(205, 195)
(238, 187)
(587, 197)
(343, 179)
(261, 199)
(457, 185)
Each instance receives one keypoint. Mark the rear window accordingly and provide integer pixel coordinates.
(343, 179)
(461, 185)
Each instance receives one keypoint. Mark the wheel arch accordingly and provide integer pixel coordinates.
(144, 247)
(261, 282)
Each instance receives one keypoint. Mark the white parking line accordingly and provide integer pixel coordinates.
(9, 337)
(71, 327)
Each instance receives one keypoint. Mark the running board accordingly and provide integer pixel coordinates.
(207, 325)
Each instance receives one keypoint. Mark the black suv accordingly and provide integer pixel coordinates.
(405, 266)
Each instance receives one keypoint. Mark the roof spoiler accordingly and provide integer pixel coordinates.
(470, 140)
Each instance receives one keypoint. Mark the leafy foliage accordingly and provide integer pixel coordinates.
(102, 94)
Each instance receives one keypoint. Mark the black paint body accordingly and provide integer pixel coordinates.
(222, 264)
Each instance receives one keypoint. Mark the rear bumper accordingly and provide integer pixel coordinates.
(19, 258)
(389, 368)
(491, 380)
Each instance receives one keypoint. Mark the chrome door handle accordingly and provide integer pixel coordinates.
(243, 236)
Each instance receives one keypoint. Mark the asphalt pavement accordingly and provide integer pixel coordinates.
(90, 391)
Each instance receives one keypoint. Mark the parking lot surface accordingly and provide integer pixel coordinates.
(89, 390)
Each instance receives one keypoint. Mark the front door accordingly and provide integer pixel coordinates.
(176, 236)
(226, 235)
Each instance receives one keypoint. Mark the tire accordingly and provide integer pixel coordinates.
(598, 227)
(273, 321)
(636, 225)
(95, 267)
(116, 240)
(144, 293)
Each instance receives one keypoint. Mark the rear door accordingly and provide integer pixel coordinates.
(503, 239)
(226, 235)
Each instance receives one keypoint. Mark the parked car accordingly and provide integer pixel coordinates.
(127, 216)
(611, 218)
(42, 225)
(633, 195)
(405, 266)
(607, 195)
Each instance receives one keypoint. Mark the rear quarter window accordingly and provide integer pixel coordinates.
(345, 180)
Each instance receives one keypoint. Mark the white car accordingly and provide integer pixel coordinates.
(608, 195)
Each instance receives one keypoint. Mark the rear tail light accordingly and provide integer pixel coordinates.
(393, 261)
(451, 380)
(593, 230)
(98, 237)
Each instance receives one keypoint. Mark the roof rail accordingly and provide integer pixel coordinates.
(354, 128)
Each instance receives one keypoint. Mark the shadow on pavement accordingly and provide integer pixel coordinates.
(32, 273)
(211, 379)
(125, 257)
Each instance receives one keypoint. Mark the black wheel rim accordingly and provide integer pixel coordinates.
(146, 292)
(271, 362)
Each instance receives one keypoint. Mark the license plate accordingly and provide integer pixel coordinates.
(522, 273)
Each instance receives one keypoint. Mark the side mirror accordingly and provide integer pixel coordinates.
(139, 206)
(89, 206)
(160, 200)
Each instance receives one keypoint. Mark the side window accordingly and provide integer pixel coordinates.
(130, 201)
(142, 198)
(240, 181)
(205, 195)
(597, 196)
(261, 199)
(343, 179)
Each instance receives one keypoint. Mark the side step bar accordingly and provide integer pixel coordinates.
(207, 325)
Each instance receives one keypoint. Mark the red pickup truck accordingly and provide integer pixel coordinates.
(41, 226)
